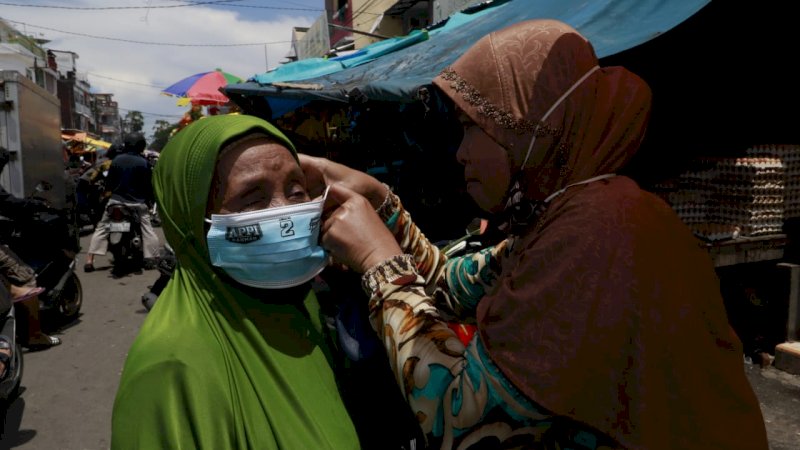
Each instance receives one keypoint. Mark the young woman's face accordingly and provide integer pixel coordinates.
(486, 166)
(256, 174)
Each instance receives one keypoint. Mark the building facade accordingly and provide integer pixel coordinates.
(74, 92)
(354, 24)
(57, 72)
(27, 56)
(107, 117)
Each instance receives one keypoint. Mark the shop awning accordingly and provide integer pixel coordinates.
(82, 139)
(398, 67)
(98, 143)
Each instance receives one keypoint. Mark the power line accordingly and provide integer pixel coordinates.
(151, 114)
(130, 41)
(124, 81)
(276, 7)
(108, 8)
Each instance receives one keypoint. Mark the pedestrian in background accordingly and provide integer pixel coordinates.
(129, 181)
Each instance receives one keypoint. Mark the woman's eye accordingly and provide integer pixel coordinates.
(256, 205)
(299, 194)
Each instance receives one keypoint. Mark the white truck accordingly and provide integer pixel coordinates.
(30, 129)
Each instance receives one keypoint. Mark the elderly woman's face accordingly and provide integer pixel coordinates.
(487, 170)
(256, 174)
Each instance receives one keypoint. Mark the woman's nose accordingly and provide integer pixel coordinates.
(461, 154)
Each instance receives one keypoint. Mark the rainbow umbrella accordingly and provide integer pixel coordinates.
(202, 88)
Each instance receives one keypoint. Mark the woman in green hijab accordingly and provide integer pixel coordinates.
(234, 354)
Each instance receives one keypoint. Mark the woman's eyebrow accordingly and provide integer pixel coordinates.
(252, 188)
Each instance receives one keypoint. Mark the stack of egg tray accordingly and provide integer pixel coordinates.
(790, 157)
(690, 193)
(749, 193)
(727, 198)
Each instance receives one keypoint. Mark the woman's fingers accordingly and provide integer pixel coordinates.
(353, 232)
(338, 195)
(321, 172)
(315, 176)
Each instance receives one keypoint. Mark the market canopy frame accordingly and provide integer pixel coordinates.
(397, 69)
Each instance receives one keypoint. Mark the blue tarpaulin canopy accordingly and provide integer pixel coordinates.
(394, 70)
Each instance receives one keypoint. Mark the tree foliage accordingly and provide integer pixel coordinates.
(135, 121)
(161, 133)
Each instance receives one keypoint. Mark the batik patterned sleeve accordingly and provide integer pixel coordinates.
(456, 284)
(466, 279)
(429, 260)
(458, 395)
(456, 392)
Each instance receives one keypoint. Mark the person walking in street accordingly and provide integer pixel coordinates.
(600, 322)
(129, 181)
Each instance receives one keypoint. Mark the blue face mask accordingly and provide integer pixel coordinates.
(272, 248)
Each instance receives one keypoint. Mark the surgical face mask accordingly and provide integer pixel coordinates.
(273, 248)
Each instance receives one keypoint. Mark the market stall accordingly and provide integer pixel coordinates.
(81, 146)
(723, 92)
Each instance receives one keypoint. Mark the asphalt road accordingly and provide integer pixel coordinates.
(68, 391)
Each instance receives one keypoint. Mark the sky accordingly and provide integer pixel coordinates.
(210, 34)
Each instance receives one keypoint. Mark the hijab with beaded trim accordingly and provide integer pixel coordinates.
(606, 311)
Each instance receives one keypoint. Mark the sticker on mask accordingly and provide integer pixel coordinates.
(244, 234)
(287, 227)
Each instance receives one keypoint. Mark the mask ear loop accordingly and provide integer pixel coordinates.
(324, 195)
(521, 211)
(552, 108)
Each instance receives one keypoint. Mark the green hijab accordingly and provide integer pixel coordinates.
(214, 367)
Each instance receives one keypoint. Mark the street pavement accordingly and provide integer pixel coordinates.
(779, 395)
(68, 391)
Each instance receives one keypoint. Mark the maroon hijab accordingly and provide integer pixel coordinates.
(606, 311)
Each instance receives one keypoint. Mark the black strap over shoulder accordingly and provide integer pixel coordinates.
(382, 418)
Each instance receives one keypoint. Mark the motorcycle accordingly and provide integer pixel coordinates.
(125, 238)
(44, 239)
(155, 219)
(12, 379)
(91, 201)
(166, 265)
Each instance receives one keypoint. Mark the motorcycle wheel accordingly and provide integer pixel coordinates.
(14, 393)
(71, 299)
(9, 394)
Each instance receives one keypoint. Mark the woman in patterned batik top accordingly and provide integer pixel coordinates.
(600, 321)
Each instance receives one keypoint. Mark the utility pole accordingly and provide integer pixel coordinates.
(353, 30)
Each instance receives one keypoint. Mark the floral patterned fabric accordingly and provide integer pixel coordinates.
(459, 396)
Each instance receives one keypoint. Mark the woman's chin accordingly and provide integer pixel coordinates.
(482, 200)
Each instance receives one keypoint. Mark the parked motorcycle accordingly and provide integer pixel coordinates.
(47, 242)
(125, 238)
(155, 218)
(11, 380)
(166, 261)
(91, 201)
